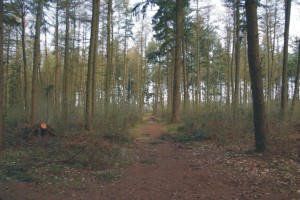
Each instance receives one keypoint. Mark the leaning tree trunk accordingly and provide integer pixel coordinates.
(260, 120)
(36, 62)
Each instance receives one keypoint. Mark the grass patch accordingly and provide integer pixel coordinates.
(108, 176)
(198, 135)
(149, 161)
(155, 142)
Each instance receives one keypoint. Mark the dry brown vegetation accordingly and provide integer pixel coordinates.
(83, 163)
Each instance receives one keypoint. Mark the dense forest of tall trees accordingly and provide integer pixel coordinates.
(77, 61)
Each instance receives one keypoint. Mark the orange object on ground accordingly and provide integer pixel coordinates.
(43, 125)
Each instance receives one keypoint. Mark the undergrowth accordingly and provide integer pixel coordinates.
(69, 155)
(30, 162)
(216, 124)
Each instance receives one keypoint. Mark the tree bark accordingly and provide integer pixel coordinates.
(95, 72)
(36, 62)
(284, 85)
(24, 59)
(92, 65)
(56, 71)
(109, 59)
(178, 62)
(296, 91)
(1, 76)
(66, 73)
(198, 66)
(237, 61)
(260, 120)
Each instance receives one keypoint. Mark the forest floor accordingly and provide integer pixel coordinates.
(161, 169)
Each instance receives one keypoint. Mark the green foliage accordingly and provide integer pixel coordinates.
(148, 161)
(155, 142)
(194, 135)
(108, 176)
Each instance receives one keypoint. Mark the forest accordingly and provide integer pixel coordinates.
(88, 72)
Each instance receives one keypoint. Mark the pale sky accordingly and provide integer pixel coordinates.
(295, 14)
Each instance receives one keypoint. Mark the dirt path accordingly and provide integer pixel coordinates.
(162, 170)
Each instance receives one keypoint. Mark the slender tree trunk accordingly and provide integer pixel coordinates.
(170, 67)
(178, 62)
(232, 58)
(199, 90)
(236, 101)
(228, 63)
(7, 65)
(245, 92)
(284, 85)
(124, 74)
(57, 65)
(185, 79)
(1, 77)
(66, 73)
(24, 62)
(296, 91)
(268, 34)
(260, 119)
(140, 72)
(273, 50)
(36, 62)
(109, 59)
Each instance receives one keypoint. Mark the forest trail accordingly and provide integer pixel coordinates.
(164, 170)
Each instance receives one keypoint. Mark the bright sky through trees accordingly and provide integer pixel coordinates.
(218, 12)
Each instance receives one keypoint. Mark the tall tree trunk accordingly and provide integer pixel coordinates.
(284, 85)
(260, 120)
(170, 75)
(124, 74)
(268, 34)
(296, 91)
(199, 90)
(178, 62)
(95, 72)
(245, 92)
(57, 65)
(185, 79)
(7, 65)
(36, 62)
(109, 66)
(66, 73)
(1, 77)
(92, 65)
(273, 50)
(140, 72)
(24, 60)
(228, 63)
(237, 47)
